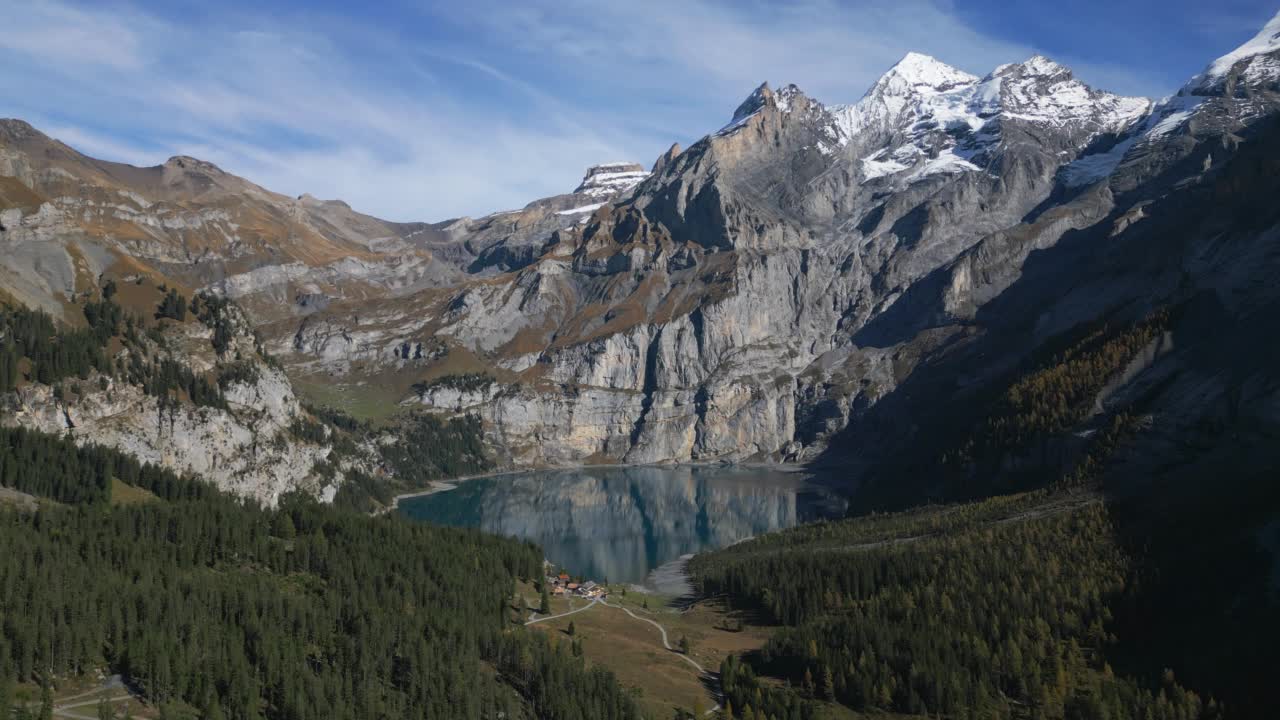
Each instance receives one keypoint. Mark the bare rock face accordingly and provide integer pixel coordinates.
(770, 281)
(785, 280)
(767, 287)
(246, 449)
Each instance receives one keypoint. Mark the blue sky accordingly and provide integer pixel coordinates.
(427, 110)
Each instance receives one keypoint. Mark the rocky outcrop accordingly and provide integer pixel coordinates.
(762, 287)
(246, 449)
(823, 253)
(243, 443)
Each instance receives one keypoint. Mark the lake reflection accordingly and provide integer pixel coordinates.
(620, 523)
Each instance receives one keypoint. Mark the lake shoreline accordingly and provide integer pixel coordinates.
(638, 524)
(447, 484)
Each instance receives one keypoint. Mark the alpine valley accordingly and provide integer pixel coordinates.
(1034, 320)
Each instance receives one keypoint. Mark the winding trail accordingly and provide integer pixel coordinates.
(666, 643)
(701, 670)
(588, 606)
(64, 710)
(662, 630)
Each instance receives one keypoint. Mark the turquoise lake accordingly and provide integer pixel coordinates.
(621, 524)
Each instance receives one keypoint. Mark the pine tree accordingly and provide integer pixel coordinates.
(46, 701)
(545, 607)
(282, 527)
(173, 306)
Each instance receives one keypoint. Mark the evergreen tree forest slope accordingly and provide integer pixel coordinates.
(215, 606)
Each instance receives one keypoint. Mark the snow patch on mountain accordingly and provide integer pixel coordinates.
(874, 167)
(758, 100)
(583, 209)
(609, 179)
(1262, 69)
(1165, 117)
(947, 162)
(1092, 168)
(1170, 122)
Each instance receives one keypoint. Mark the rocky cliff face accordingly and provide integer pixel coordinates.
(750, 296)
(769, 285)
(244, 443)
(246, 449)
(757, 294)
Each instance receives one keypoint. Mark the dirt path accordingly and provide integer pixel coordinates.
(64, 709)
(666, 644)
(588, 606)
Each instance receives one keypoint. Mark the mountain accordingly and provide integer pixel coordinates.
(777, 287)
(1034, 316)
(711, 314)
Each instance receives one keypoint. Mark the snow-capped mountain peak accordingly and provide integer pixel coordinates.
(1043, 91)
(925, 117)
(1036, 65)
(1256, 61)
(911, 82)
(917, 73)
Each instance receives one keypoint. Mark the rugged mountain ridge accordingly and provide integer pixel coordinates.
(726, 295)
(754, 296)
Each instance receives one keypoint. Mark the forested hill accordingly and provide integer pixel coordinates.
(215, 607)
(188, 385)
(1043, 605)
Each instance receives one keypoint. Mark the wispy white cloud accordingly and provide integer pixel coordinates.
(700, 50)
(410, 128)
(73, 35)
(286, 107)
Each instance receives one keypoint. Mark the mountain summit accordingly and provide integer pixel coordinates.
(1254, 64)
(917, 74)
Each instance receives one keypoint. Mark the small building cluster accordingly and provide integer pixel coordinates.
(562, 585)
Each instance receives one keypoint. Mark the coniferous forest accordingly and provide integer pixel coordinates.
(1046, 605)
(222, 609)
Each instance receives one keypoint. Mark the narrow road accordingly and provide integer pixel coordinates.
(64, 710)
(662, 630)
(566, 614)
(667, 645)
